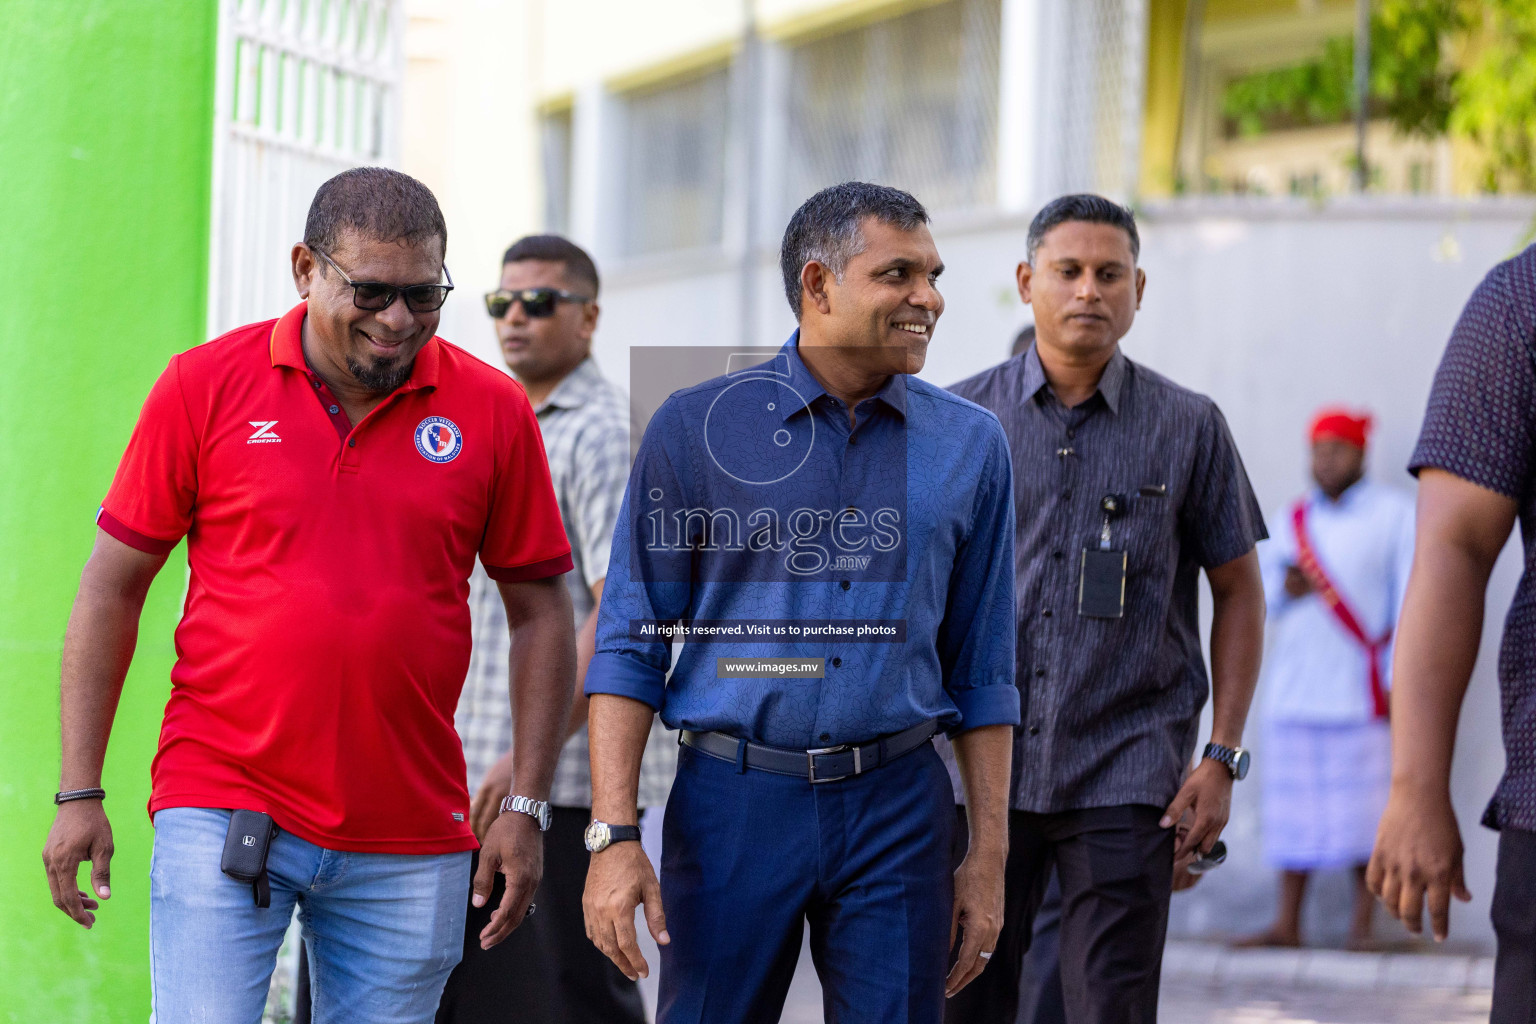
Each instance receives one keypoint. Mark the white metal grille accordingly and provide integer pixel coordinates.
(909, 101)
(1093, 66)
(305, 89)
(674, 182)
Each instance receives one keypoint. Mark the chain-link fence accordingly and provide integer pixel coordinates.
(555, 148)
(910, 101)
(675, 140)
(1091, 75)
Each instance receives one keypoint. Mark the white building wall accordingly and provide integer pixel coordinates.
(1279, 314)
(471, 134)
(601, 40)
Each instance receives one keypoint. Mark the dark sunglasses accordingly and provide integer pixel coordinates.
(376, 295)
(537, 302)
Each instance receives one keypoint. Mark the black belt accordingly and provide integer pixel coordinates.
(824, 764)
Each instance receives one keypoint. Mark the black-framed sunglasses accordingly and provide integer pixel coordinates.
(537, 302)
(375, 296)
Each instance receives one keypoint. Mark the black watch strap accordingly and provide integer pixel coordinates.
(600, 835)
(623, 834)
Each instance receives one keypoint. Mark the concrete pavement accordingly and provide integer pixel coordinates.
(1209, 984)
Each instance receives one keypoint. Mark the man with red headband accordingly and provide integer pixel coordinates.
(1334, 577)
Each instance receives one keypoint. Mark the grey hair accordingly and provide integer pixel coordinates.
(826, 228)
(1081, 207)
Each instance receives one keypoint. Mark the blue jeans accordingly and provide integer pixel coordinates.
(383, 929)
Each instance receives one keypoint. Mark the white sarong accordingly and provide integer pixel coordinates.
(1324, 789)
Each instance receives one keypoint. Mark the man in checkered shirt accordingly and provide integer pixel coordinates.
(545, 313)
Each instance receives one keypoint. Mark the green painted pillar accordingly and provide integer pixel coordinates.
(106, 123)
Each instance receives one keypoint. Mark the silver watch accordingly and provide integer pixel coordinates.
(538, 810)
(600, 835)
(1234, 759)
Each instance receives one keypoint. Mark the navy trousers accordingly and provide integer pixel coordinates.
(1514, 922)
(748, 858)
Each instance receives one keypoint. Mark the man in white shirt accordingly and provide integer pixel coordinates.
(1334, 576)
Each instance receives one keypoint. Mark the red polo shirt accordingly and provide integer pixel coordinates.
(325, 636)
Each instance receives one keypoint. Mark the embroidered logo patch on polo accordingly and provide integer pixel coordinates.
(438, 439)
(264, 433)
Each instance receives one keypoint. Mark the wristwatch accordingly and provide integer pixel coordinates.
(1234, 758)
(601, 835)
(538, 810)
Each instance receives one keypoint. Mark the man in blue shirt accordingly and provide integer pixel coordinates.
(836, 539)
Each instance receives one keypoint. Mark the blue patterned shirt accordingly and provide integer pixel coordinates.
(880, 557)
(1481, 426)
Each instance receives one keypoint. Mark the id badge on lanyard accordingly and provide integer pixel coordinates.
(1101, 583)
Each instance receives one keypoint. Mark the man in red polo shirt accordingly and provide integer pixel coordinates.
(336, 473)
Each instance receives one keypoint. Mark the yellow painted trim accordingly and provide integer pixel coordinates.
(685, 65)
(1238, 10)
(556, 103)
(838, 17)
(1164, 97)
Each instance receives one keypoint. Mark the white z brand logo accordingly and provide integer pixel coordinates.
(263, 433)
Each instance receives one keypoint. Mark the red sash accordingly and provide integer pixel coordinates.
(1312, 569)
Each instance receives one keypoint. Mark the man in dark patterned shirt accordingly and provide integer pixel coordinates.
(1476, 464)
(1127, 486)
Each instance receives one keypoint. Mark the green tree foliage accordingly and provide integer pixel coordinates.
(1410, 81)
(1495, 95)
(1417, 82)
(1312, 92)
(1408, 84)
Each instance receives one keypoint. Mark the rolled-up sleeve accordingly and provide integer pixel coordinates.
(977, 635)
(646, 583)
